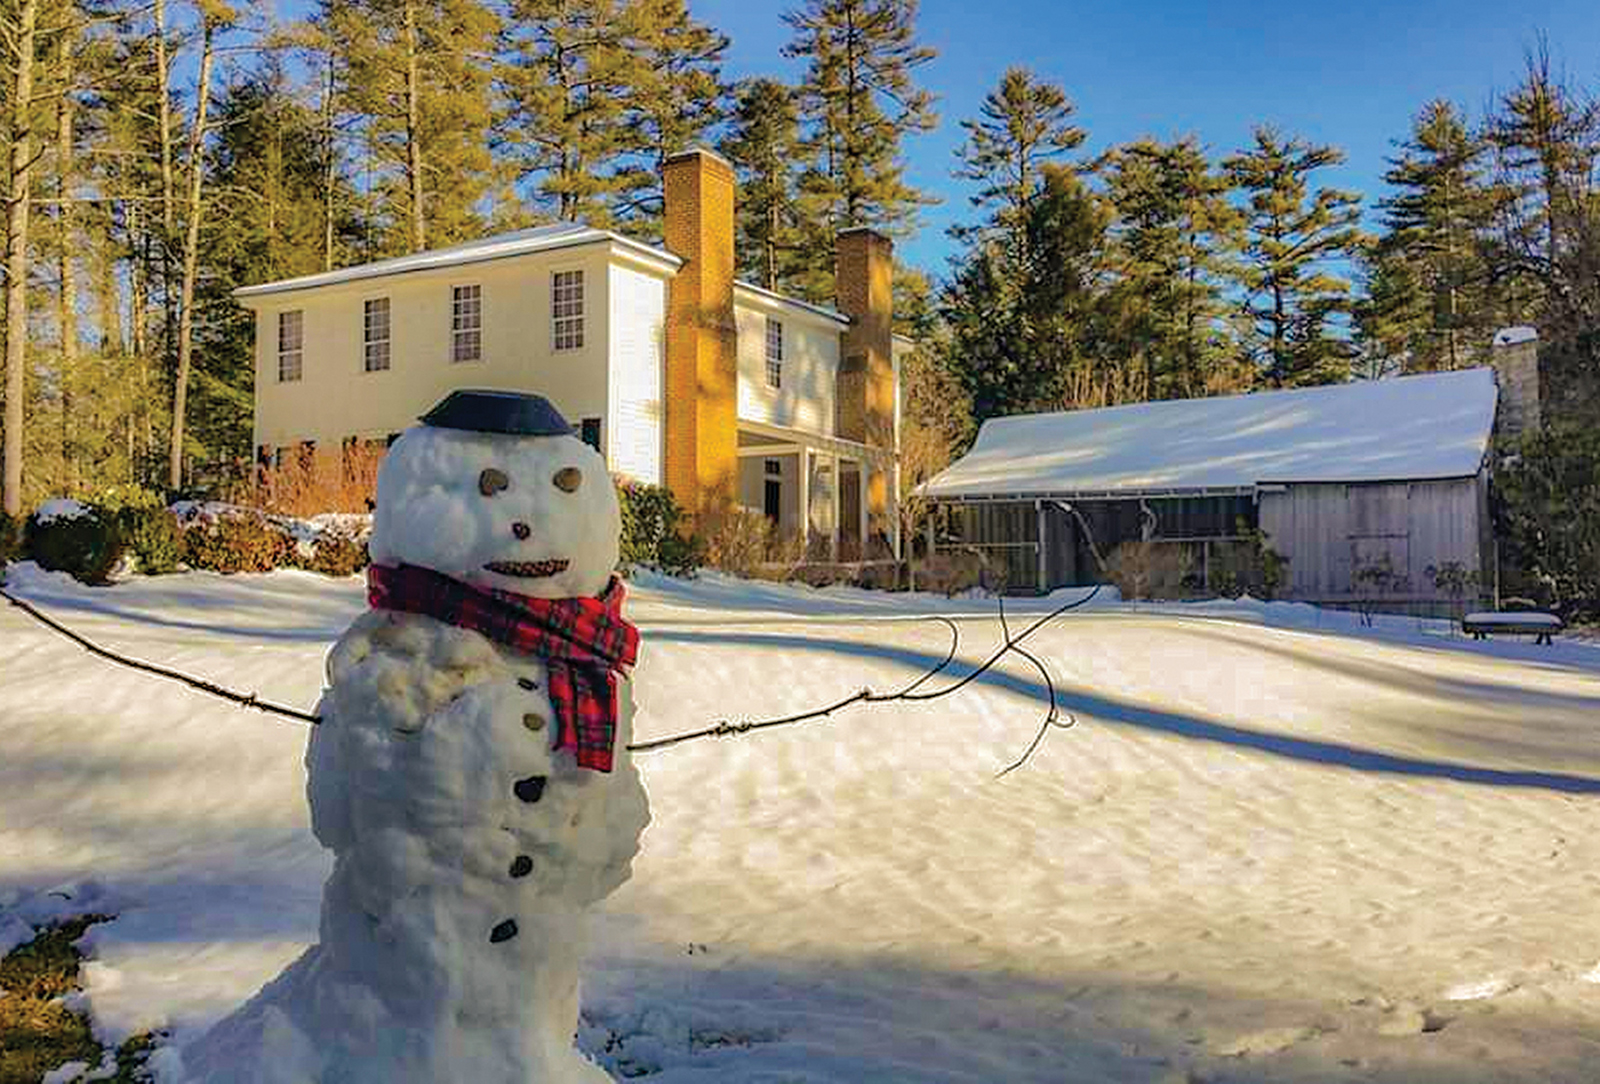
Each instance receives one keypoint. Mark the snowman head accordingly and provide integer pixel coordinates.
(495, 491)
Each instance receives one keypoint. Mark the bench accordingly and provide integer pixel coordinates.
(1538, 625)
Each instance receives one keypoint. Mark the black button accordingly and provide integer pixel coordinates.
(503, 932)
(527, 683)
(530, 789)
(521, 866)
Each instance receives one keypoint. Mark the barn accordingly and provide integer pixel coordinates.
(1372, 494)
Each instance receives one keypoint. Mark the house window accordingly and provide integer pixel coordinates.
(774, 353)
(590, 431)
(466, 323)
(291, 345)
(375, 334)
(772, 490)
(566, 307)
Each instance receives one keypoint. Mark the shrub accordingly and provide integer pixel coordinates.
(65, 536)
(1246, 567)
(738, 540)
(1548, 516)
(11, 548)
(336, 554)
(235, 540)
(1150, 569)
(152, 537)
(312, 481)
(651, 536)
(950, 573)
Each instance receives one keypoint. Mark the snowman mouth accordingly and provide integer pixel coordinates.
(529, 569)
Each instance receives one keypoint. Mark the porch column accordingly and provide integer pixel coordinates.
(1044, 579)
(838, 487)
(805, 498)
(894, 509)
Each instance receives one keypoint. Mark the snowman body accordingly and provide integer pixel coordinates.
(468, 849)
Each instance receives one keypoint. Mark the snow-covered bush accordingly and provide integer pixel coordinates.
(147, 530)
(334, 553)
(67, 536)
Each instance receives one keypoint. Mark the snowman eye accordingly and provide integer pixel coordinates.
(492, 481)
(568, 479)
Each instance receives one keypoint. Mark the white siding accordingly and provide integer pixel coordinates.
(805, 401)
(633, 425)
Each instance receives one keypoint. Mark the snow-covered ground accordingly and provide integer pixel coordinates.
(1277, 846)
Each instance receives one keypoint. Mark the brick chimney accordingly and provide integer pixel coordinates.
(864, 288)
(1515, 357)
(702, 378)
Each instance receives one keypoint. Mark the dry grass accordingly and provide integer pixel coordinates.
(37, 1032)
(307, 484)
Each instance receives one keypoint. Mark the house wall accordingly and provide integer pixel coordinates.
(638, 307)
(336, 398)
(1330, 532)
(806, 399)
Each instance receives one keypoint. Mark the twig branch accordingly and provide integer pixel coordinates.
(722, 728)
(249, 700)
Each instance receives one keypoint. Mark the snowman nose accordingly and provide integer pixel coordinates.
(521, 530)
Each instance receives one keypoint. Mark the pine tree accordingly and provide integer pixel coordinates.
(268, 167)
(858, 104)
(1176, 234)
(1027, 334)
(1024, 123)
(1436, 220)
(416, 91)
(1292, 234)
(569, 82)
(679, 96)
(762, 142)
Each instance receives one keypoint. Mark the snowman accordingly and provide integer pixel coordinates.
(470, 774)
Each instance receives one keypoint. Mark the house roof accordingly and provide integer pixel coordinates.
(784, 299)
(1408, 428)
(496, 247)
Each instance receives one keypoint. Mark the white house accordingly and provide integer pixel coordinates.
(680, 374)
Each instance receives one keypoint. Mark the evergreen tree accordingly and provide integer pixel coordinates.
(1436, 220)
(858, 104)
(268, 168)
(1293, 302)
(762, 142)
(416, 93)
(1024, 123)
(1027, 334)
(679, 97)
(1176, 234)
(570, 81)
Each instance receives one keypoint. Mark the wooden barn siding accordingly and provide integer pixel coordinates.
(1325, 530)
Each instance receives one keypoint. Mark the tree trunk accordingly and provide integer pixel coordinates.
(164, 118)
(419, 231)
(328, 174)
(191, 257)
(67, 315)
(17, 253)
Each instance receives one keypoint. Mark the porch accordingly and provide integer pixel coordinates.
(817, 490)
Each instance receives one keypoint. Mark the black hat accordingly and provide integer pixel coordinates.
(499, 412)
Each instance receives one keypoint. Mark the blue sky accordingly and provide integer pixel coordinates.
(1351, 73)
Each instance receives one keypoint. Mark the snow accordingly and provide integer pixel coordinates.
(1511, 336)
(1435, 425)
(1277, 846)
(495, 247)
(467, 852)
(60, 508)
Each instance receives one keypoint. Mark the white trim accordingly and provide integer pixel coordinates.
(497, 247)
(761, 295)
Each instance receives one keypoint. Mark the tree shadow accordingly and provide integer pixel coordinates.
(1107, 710)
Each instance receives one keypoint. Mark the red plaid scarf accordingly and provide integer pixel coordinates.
(584, 643)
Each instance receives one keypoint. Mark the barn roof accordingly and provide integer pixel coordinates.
(1408, 428)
